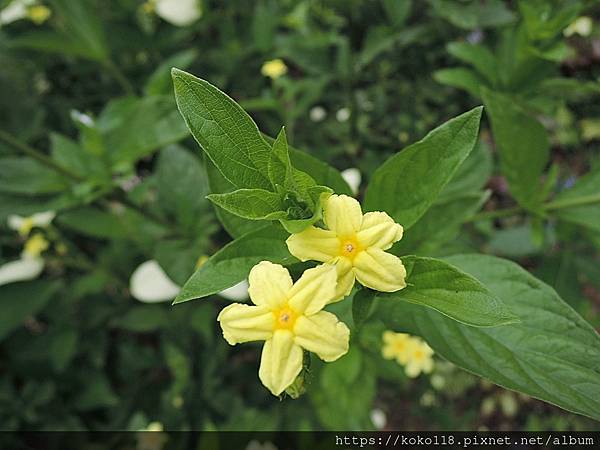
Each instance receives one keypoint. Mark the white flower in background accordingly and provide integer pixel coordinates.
(21, 270)
(180, 13)
(378, 418)
(25, 224)
(25, 9)
(236, 292)
(581, 26)
(82, 118)
(317, 114)
(150, 284)
(353, 177)
(31, 264)
(342, 115)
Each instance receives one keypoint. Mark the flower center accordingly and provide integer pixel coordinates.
(285, 318)
(349, 248)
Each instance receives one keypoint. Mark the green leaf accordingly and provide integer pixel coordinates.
(234, 225)
(224, 130)
(478, 56)
(132, 128)
(254, 204)
(94, 222)
(281, 172)
(491, 13)
(447, 289)
(572, 202)
(440, 223)
(472, 175)
(21, 300)
(295, 221)
(142, 319)
(27, 176)
(552, 354)
(182, 187)
(408, 183)
(523, 146)
(462, 78)
(320, 171)
(232, 263)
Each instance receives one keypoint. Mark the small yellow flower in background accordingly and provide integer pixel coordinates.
(34, 246)
(201, 261)
(24, 225)
(38, 14)
(289, 318)
(355, 244)
(274, 68)
(410, 351)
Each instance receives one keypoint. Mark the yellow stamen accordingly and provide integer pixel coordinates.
(285, 318)
(26, 226)
(349, 248)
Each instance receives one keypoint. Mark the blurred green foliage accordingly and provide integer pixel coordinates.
(90, 129)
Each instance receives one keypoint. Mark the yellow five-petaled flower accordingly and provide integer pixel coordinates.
(355, 244)
(289, 317)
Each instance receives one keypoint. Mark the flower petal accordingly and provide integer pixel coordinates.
(314, 244)
(43, 219)
(280, 362)
(314, 289)
(150, 284)
(20, 270)
(322, 334)
(379, 270)
(379, 230)
(345, 279)
(244, 323)
(269, 284)
(237, 292)
(343, 215)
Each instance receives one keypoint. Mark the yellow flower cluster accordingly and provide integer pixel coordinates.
(410, 351)
(289, 316)
(274, 68)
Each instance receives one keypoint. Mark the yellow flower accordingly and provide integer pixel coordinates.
(410, 351)
(289, 318)
(274, 68)
(355, 244)
(34, 246)
(38, 14)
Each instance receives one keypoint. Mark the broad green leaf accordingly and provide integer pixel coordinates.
(440, 223)
(472, 175)
(132, 128)
(480, 57)
(232, 263)
(408, 183)
(27, 176)
(552, 354)
(580, 204)
(281, 172)
(320, 171)
(21, 300)
(224, 130)
(254, 204)
(234, 225)
(70, 155)
(182, 186)
(523, 146)
(462, 78)
(94, 222)
(450, 291)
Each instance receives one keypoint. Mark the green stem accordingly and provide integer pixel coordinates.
(550, 206)
(39, 156)
(118, 195)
